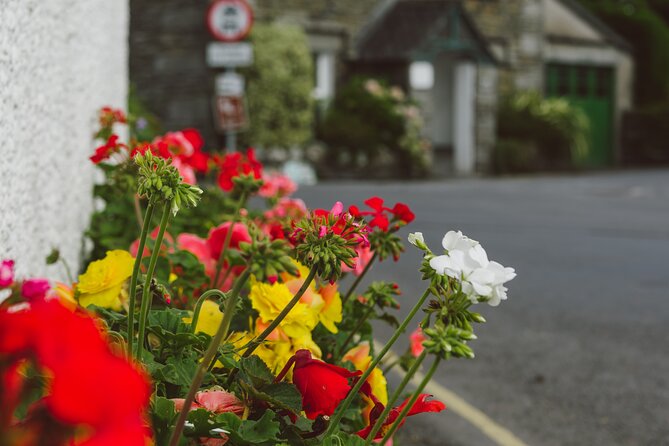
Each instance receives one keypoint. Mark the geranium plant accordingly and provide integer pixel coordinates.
(238, 336)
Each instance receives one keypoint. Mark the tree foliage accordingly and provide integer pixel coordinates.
(645, 24)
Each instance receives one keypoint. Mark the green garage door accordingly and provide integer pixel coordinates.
(590, 88)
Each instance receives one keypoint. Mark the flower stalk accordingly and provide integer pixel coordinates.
(358, 326)
(394, 397)
(135, 273)
(426, 379)
(209, 355)
(339, 413)
(358, 279)
(275, 323)
(146, 291)
(200, 301)
(228, 237)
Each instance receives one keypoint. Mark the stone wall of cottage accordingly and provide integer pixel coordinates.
(514, 30)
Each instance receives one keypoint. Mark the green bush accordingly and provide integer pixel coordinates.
(368, 122)
(554, 133)
(279, 88)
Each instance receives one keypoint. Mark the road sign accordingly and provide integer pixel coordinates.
(239, 54)
(229, 84)
(230, 113)
(229, 20)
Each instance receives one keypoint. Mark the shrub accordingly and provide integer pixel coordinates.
(279, 87)
(558, 130)
(368, 121)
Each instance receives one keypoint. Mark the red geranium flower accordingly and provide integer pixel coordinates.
(323, 386)
(217, 235)
(109, 116)
(88, 385)
(421, 405)
(235, 164)
(105, 151)
(400, 213)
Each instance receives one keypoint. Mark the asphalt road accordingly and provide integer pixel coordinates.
(579, 353)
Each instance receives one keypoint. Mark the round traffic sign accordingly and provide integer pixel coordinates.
(229, 20)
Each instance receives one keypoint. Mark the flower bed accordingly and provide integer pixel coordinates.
(231, 326)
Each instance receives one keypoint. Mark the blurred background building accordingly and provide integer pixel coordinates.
(470, 65)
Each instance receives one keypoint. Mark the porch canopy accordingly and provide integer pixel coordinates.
(420, 30)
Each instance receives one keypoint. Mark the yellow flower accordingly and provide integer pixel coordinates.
(269, 300)
(326, 301)
(65, 294)
(331, 312)
(359, 357)
(275, 353)
(103, 280)
(209, 319)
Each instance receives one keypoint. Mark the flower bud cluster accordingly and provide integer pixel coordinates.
(270, 258)
(383, 294)
(160, 181)
(448, 340)
(326, 240)
(386, 244)
(246, 184)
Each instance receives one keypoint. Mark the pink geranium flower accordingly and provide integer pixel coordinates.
(6, 273)
(416, 340)
(35, 289)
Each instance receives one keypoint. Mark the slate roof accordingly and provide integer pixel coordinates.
(609, 34)
(412, 27)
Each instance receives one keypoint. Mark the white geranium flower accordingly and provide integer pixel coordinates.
(451, 264)
(467, 261)
(455, 240)
(416, 239)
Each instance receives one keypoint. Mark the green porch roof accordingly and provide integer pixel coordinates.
(419, 30)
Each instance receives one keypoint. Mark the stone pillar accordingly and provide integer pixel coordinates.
(464, 118)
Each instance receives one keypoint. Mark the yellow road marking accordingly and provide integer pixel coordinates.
(456, 404)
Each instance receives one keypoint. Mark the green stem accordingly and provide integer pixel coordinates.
(135, 275)
(146, 291)
(208, 357)
(390, 366)
(398, 392)
(412, 401)
(198, 305)
(228, 238)
(339, 413)
(359, 325)
(358, 279)
(275, 323)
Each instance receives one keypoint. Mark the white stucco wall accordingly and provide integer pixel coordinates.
(60, 60)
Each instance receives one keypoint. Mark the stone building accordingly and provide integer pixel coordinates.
(456, 57)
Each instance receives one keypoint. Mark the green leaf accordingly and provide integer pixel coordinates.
(256, 371)
(229, 421)
(260, 431)
(163, 408)
(281, 396)
(201, 423)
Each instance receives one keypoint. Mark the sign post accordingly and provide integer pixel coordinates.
(229, 22)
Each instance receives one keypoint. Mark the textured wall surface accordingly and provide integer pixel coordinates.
(60, 60)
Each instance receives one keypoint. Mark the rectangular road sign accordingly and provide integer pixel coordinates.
(239, 54)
